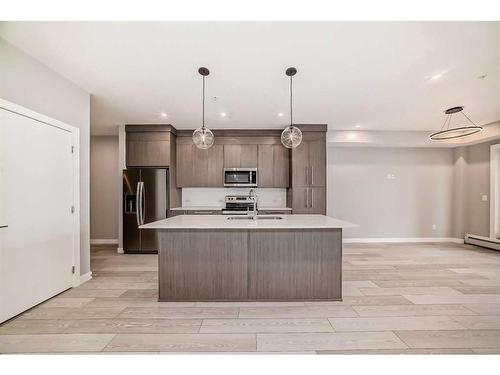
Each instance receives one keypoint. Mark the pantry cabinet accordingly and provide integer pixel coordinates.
(308, 167)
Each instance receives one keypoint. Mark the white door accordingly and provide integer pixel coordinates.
(36, 196)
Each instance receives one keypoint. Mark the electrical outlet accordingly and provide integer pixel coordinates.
(391, 176)
(433, 226)
(484, 198)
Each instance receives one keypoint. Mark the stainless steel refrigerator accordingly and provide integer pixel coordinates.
(145, 199)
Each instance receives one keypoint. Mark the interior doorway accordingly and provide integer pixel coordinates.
(495, 191)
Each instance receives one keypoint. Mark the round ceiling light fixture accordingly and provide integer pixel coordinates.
(447, 133)
(203, 137)
(291, 136)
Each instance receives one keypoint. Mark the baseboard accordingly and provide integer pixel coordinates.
(490, 243)
(85, 277)
(403, 239)
(97, 241)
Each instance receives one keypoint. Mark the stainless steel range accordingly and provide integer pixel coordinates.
(240, 204)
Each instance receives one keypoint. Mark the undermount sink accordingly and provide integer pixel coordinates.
(256, 217)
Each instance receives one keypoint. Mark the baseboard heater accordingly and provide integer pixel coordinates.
(490, 243)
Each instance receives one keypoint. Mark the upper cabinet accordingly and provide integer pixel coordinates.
(148, 145)
(240, 156)
(309, 161)
(199, 168)
(277, 166)
(273, 166)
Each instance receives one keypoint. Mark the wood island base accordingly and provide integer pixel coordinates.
(250, 264)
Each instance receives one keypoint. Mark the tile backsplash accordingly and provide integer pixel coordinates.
(214, 197)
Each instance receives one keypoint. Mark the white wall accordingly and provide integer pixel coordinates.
(26, 82)
(104, 196)
(406, 206)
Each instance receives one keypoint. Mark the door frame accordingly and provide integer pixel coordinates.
(494, 190)
(75, 137)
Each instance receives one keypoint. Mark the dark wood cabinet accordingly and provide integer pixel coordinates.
(153, 145)
(308, 200)
(309, 161)
(199, 168)
(273, 166)
(317, 162)
(184, 165)
(196, 212)
(276, 211)
(240, 156)
(148, 149)
(308, 192)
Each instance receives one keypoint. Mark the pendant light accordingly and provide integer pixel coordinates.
(458, 132)
(291, 135)
(203, 137)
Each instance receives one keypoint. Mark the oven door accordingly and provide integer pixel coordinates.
(240, 176)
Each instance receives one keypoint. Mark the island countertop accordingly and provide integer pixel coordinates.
(223, 222)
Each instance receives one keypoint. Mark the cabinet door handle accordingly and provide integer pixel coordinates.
(312, 175)
(204, 212)
(306, 197)
(312, 198)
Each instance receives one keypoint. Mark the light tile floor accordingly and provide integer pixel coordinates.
(398, 299)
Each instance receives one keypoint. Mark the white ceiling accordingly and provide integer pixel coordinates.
(373, 74)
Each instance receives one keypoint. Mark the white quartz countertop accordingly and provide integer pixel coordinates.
(213, 208)
(222, 222)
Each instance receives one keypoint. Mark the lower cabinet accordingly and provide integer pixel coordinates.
(203, 212)
(275, 212)
(308, 200)
(195, 212)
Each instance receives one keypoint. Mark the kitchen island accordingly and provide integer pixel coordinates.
(228, 258)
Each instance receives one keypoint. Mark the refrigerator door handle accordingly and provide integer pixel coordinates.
(143, 201)
(138, 203)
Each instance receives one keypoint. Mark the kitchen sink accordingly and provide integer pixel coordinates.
(257, 217)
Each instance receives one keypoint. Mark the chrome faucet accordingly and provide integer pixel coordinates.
(253, 196)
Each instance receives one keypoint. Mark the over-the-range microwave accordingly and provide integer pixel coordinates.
(240, 177)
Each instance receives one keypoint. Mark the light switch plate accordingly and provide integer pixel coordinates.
(484, 198)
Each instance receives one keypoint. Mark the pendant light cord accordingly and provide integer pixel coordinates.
(467, 117)
(291, 106)
(447, 121)
(203, 107)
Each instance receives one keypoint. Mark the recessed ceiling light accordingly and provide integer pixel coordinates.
(436, 76)
(352, 135)
(223, 114)
(281, 114)
(357, 126)
(163, 114)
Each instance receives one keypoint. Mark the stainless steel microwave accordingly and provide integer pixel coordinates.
(242, 177)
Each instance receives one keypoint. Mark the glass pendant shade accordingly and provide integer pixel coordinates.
(291, 137)
(203, 138)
